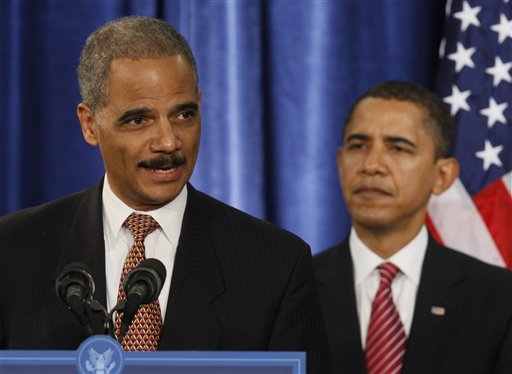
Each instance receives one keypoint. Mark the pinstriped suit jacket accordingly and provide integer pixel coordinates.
(238, 283)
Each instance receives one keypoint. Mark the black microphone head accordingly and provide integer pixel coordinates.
(157, 266)
(151, 274)
(74, 275)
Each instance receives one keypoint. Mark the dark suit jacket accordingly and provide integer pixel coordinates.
(238, 283)
(474, 335)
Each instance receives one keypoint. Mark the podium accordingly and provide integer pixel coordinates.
(103, 355)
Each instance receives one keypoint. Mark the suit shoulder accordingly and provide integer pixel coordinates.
(329, 255)
(226, 217)
(483, 272)
(40, 216)
(470, 262)
(329, 263)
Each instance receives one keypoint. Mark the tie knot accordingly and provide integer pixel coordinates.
(388, 272)
(140, 225)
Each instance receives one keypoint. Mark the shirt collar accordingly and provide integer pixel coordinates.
(409, 259)
(169, 217)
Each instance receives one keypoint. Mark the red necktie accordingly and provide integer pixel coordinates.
(385, 343)
(144, 331)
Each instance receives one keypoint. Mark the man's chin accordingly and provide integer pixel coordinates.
(152, 200)
(373, 223)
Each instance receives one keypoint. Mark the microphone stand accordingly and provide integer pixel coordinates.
(145, 282)
(119, 307)
(96, 307)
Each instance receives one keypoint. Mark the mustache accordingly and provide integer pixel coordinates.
(163, 161)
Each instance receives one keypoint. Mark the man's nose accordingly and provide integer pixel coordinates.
(165, 138)
(374, 162)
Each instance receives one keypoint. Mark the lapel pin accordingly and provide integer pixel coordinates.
(438, 311)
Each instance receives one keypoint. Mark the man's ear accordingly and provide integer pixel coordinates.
(88, 123)
(447, 172)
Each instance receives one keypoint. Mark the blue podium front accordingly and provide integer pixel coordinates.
(103, 355)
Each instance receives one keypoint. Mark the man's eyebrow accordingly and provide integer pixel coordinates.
(389, 139)
(357, 136)
(135, 112)
(187, 106)
(399, 139)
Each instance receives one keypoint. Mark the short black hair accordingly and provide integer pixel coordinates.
(438, 124)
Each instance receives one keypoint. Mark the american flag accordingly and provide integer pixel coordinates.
(474, 80)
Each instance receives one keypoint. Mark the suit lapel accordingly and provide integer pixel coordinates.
(439, 302)
(190, 323)
(337, 289)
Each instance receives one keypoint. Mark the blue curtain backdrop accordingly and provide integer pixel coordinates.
(277, 78)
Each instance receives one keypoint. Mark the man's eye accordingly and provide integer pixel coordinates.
(399, 149)
(355, 145)
(136, 121)
(186, 115)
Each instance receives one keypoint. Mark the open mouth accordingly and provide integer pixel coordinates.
(163, 171)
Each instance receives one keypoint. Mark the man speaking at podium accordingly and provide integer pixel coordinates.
(233, 282)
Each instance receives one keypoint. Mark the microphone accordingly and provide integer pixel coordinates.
(75, 286)
(142, 285)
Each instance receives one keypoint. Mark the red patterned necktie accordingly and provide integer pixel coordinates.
(144, 331)
(385, 343)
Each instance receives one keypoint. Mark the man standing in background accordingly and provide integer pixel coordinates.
(393, 299)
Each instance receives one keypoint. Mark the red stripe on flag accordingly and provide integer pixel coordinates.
(495, 206)
(433, 230)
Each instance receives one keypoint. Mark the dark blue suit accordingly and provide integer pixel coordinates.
(473, 336)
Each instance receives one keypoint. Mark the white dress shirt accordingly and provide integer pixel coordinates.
(404, 287)
(160, 244)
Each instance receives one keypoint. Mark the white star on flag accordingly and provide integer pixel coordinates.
(490, 155)
(494, 112)
(457, 100)
(462, 57)
(499, 71)
(468, 16)
(504, 28)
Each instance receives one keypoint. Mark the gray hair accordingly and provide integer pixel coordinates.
(133, 37)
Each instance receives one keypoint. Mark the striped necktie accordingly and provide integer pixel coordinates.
(385, 343)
